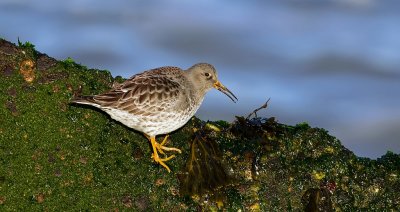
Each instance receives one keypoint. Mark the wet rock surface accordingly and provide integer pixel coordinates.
(55, 156)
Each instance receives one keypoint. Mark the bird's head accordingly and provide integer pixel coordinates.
(205, 77)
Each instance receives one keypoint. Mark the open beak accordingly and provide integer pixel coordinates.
(226, 91)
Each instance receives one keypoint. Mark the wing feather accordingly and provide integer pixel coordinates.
(153, 90)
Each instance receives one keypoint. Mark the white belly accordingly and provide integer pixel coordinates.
(162, 123)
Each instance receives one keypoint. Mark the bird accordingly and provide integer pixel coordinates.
(158, 101)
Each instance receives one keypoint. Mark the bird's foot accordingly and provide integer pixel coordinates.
(161, 161)
(160, 147)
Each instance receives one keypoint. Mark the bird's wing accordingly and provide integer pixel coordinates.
(149, 91)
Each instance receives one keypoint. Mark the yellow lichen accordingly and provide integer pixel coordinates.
(213, 127)
(220, 203)
(255, 207)
(329, 150)
(27, 69)
(318, 175)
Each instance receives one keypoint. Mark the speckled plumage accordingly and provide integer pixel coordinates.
(158, 101)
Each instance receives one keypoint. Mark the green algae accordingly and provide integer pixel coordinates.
(56, 156)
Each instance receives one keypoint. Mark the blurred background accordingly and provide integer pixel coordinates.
(331, 63)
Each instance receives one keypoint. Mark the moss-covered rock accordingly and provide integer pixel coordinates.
(55, 156)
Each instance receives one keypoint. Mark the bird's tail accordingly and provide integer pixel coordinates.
(85, 100)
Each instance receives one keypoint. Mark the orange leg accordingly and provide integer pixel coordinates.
(158, 148)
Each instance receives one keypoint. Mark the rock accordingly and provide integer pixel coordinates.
(56, 156)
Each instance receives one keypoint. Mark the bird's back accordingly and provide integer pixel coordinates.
(154, 102)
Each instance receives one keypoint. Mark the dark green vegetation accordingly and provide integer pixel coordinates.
(55, 156)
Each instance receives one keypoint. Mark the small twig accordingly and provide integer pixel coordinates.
(265, 105)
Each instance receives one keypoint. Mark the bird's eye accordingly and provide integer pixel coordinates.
(207, 74)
